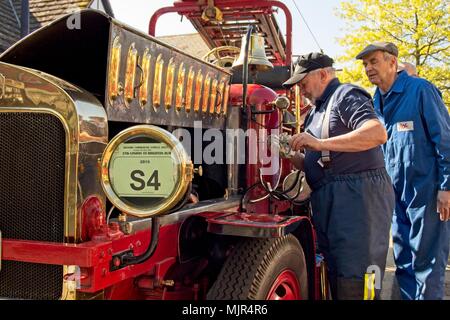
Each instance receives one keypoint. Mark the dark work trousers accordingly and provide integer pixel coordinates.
(352, 215)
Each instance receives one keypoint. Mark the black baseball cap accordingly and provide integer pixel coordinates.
(307, 63)
(379, 45)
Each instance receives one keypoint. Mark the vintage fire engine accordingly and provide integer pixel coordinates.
(102, 196)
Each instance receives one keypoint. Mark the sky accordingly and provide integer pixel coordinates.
(319, 14)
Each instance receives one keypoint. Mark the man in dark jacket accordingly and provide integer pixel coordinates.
(352, 199)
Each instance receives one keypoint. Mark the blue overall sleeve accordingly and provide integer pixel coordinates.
(437, 123)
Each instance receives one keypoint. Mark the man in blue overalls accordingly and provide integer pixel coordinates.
(352, 199)
(417, 156)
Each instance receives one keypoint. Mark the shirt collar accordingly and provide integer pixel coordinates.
(399, 83)
(331, 87)
(398, 86)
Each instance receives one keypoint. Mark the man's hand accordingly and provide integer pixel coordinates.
(281, 144)
(443, 205)
(305, 140)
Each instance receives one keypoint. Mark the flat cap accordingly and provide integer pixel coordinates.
(307, 63)
(379, 45)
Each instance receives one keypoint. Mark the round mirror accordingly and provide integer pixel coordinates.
(223, 56)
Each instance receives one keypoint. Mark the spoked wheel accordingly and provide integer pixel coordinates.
(223, 56)
(263, 269)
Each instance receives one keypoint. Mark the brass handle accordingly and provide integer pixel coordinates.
(199, 170)
(2, 85)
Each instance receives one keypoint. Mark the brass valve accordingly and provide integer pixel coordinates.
(199, 170)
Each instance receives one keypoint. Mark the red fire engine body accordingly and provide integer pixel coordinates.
(83, 110)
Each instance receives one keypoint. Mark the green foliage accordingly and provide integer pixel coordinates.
(420, 29)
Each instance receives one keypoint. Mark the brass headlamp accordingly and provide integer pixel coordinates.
(145, 171)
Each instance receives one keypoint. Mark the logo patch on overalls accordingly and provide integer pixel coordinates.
(405, 126)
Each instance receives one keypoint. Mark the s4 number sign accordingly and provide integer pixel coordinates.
(143, 170)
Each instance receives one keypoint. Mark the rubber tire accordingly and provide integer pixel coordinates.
(254, 265)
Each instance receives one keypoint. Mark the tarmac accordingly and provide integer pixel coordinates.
(390, 289)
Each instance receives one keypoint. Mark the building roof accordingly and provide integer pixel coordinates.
(42, 12)
(192, 43)
(9, 24)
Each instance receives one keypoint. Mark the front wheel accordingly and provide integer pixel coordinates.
(263, 269)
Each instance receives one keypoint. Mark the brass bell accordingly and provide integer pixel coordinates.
(257, 59)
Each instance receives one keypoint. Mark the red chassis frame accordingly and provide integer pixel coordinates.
(95, 257)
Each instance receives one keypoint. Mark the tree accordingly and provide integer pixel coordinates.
(420, 29)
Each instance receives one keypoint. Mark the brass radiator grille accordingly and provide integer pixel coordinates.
(32, 176)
